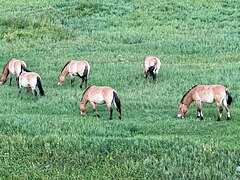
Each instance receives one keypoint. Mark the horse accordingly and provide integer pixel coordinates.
(208, 94)
(75, 68)
(151, 66)
(100, 95)
(13, 67)
(30, 80)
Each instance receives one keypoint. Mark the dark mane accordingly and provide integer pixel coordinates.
(187, 93)
(65, 66)
(85, 91)
(5, 66)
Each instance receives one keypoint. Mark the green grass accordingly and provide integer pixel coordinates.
(45, 138)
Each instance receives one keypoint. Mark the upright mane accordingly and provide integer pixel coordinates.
(187, 93)
(65, 66)
(85, 91)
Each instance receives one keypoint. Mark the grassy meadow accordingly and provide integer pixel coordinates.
(46, 138)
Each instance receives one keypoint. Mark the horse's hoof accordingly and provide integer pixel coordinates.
(228, 118)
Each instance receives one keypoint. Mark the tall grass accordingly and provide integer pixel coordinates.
(197, 43)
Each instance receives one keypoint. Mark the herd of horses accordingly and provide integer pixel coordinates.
(105, 94)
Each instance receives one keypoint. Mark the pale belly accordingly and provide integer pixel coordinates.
(24, 83)
(97, 100)
(207, 98)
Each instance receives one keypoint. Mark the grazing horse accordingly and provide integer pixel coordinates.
(13, 67)
(99, 95)
(208, 94)
(75, 68)
(30, 80)
(151, 66)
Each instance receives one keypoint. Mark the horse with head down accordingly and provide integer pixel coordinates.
(13, 67)
(208, 94)
(30, 80)
(75, 68)
(151, 66)
(100, 95)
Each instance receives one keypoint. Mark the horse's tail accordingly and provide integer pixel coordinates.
(24, 68)
(39, 84)
(86, 71)
(117, 103)
(229, 99)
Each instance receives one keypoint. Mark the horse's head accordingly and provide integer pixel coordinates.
(3, 79)
(182, 110)
(61, 79)
(83, 108)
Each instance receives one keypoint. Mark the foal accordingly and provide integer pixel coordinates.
(13, 67)
(151, 66)
(30, 80)
(75, 68)
(100, 95)
(208, 94)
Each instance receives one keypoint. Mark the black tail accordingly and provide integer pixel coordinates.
(23, 68)
(39, 84)
(85, 72)
(229, 99)
(117, 102)
(151, 71)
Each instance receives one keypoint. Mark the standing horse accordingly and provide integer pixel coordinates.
(151, 66)
(13, 67)
(208, 94)
(75, 68)
(99, 95)
(30, 80)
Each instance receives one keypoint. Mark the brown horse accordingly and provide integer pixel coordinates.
(75, 68)
(208, 94)
(13, 67)
(30, 80)
(99, 95)
(151, 66)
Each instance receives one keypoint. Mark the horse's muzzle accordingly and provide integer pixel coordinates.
(180, 116)
(82, 113)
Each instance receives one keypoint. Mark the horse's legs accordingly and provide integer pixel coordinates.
(154, 77)
(34, 92)
(94, 109)
(72, 81)
(227, 109)
(110, 113)
(10, 79)
(110, 109)
(199, 109)
(17, 79)
(220, 110)
(20, 89)
(82, 82)
(85, 81)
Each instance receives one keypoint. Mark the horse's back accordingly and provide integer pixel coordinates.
(78, 66)
(30, 77)
(14, 66)
(152, 61)
(209, 93)
(100, 94)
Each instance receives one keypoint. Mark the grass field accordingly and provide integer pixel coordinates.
(46, 138)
